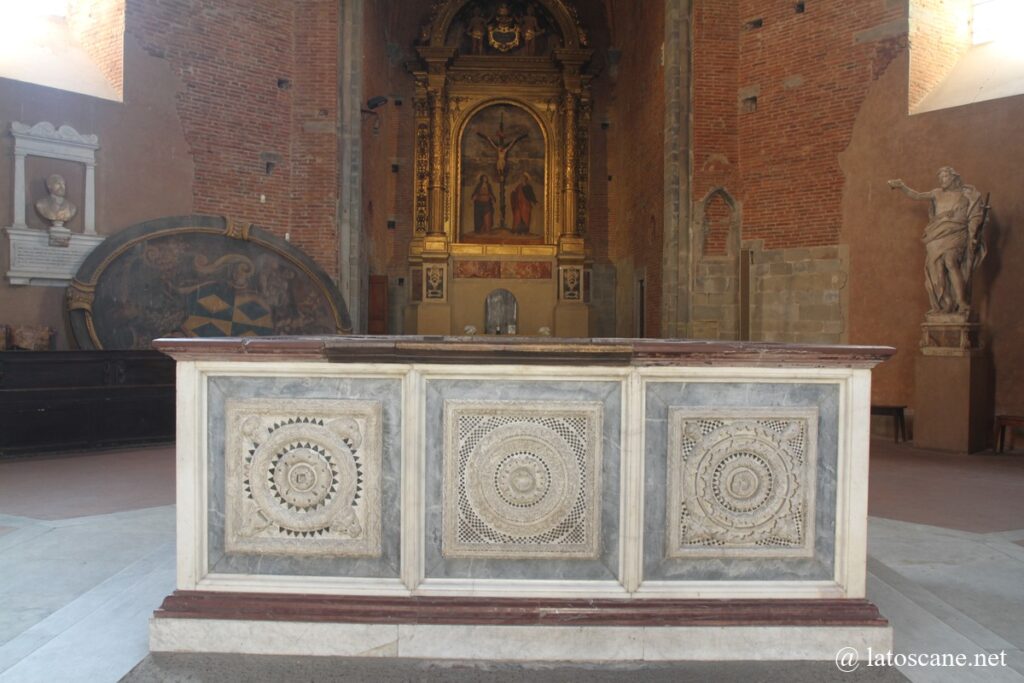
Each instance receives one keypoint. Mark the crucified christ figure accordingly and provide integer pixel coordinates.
(502, 148)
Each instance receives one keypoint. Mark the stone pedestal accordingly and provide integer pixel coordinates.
(954, 401)
(572, 320)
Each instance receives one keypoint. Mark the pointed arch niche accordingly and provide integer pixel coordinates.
(503, 107)
(718, 276)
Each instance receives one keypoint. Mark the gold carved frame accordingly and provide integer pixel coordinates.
(551, 179)
(452, 87)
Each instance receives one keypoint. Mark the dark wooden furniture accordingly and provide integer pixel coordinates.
(61, 400)
(899, 421)
(1003, 423)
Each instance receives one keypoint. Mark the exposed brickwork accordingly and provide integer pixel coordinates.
(98, 27)
(939, 36)
(314, 171)
(810, 72)
(257, 85)
(715, 80)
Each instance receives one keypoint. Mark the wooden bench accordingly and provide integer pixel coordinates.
(76, 400)
(899, 421)
(1004, 422)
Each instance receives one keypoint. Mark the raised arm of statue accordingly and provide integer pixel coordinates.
(913, 194)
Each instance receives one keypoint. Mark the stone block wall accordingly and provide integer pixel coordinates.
(716, 301)
(799, 294)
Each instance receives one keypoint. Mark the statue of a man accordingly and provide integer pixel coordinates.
(55, 207)
(952, 240)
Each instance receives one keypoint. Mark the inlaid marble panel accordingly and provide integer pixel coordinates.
(731, 404)
(741, 482)
(303, 477)
(521, 480)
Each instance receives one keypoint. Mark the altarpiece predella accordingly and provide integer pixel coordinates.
(503, 109)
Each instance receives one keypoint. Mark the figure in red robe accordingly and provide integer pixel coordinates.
(523, 199)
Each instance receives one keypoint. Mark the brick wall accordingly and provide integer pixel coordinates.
(810, 72)
(98, 27)
(939, 36)
(313, 168)
(715, 108)
(233, 61)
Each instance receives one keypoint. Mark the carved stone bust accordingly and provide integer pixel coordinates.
(55, 207)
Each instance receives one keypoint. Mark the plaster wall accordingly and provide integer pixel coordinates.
(883, 227)
(144, 167)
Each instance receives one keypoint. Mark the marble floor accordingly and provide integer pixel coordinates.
(87, 553)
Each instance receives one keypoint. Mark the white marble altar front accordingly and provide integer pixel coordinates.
(510, 497)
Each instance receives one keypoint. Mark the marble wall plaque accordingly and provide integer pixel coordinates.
(521, 480)
(303, 477)
(741, 482)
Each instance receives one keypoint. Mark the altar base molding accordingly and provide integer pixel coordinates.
(521, 498)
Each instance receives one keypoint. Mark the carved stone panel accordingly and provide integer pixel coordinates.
(521, 480)
(303, 477)
(741, 482)
(434, 276)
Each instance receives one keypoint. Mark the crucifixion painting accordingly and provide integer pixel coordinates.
(502, 175)
(502, 145)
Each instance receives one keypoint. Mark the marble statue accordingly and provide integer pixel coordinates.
(56, 207)
(952, 239)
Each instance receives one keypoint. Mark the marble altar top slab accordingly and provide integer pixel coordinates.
(518, 350)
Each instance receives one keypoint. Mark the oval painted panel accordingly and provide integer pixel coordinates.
(198, 276)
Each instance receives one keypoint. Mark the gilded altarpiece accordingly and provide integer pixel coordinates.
(502, 110)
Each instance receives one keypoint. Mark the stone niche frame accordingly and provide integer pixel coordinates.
(33, 260)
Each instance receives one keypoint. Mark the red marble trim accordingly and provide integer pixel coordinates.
(516, 350)
(508, 270)
(477, 269)
(512, 611)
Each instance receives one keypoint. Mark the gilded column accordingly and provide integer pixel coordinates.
(437, 170)
(569, 225)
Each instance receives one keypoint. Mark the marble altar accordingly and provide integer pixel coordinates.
(521, 498)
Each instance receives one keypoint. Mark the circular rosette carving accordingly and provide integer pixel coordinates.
(523, 480)
(744, 479)
(305, 479)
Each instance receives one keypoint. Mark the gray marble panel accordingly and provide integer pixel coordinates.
(609, 394)
(389, 393)
(659, 397)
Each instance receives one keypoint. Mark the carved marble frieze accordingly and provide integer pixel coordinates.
(521, 479)
(741, 482)
(303, 477)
